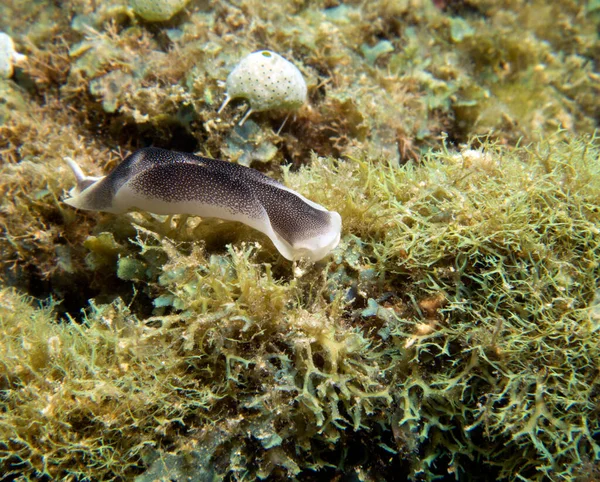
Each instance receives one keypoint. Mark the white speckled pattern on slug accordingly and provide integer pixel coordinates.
(168, 182)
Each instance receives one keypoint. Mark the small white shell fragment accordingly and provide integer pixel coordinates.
(267, 81)
(9, 57)
(157, 10)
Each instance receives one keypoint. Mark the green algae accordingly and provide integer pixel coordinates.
(485, 265)
(453, 332)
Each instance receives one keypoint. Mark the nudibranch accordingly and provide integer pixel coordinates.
(168, 182)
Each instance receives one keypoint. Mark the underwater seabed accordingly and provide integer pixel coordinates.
(454, 333)
(455, 326)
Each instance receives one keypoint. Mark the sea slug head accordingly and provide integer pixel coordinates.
(267, 81)
(319, 246)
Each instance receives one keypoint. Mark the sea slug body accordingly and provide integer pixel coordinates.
(168, 182)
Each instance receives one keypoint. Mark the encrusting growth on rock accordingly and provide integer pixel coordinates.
(157, 10)
(454, 332)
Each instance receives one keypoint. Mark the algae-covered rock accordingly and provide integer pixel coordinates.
(110, 87)
(130, 269)
(248, 143)
(453, 333)
(157, 10)
(11, 100)
(373, 53)
(104, 250)
(259, 371)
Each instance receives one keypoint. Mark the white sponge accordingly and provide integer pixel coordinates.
(267, 81)
(8, 56)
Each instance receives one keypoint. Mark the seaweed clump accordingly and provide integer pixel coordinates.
(457, 325)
